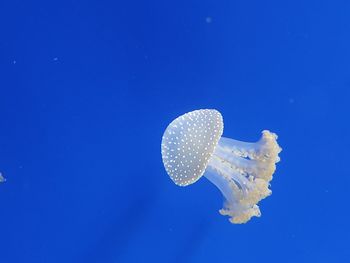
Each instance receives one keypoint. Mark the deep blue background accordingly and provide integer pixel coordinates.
(88, 87)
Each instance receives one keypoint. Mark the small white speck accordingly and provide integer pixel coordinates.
(55, 59)
(14, 62)
(208, 19)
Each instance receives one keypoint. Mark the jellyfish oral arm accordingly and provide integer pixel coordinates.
(242, 172)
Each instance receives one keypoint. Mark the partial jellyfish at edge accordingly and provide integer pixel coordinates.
(2, 178)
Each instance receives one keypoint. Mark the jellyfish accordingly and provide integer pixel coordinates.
(192, 147)
(2, 178)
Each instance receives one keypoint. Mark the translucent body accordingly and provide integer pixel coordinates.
(242, 171)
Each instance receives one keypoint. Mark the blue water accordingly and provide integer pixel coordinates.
(88, 87)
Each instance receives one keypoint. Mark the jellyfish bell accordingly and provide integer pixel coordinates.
(188, 144)
(193, 146)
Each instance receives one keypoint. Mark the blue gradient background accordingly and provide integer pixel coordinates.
(88, 87)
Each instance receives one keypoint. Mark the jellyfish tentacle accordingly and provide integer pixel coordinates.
(264, 150)
(233, 206)
(242, 172)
